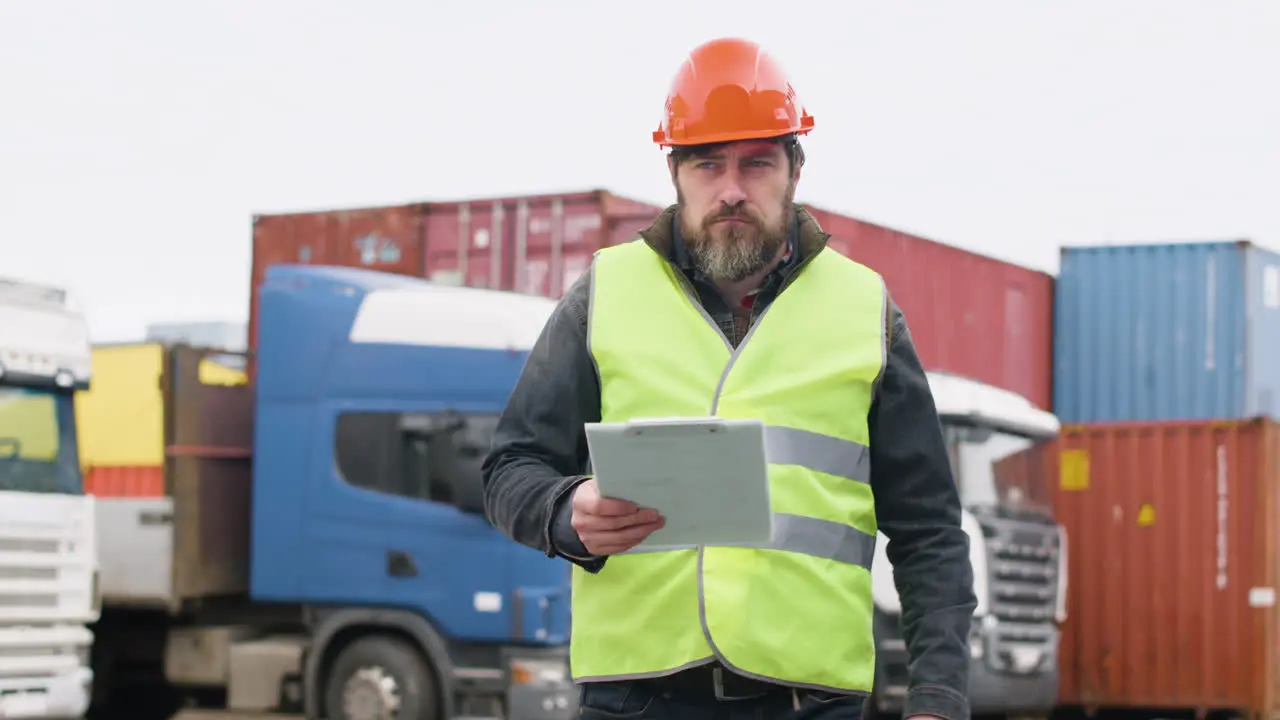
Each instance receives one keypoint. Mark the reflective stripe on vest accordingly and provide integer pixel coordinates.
(797, 610)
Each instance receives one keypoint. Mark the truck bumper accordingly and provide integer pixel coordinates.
(991, 692)
(1012, 668)
(57, 697)
(542, 703)
(551, 695)
(1007, 674)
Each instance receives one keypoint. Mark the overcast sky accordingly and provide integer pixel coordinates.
(137, 137)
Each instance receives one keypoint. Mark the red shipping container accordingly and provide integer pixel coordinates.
(537, 244)
(969, 314)
(1173, 542)
(388, 239)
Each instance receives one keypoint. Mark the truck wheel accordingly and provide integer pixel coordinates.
(380, 678)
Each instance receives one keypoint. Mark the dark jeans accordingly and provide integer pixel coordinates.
(641, 700)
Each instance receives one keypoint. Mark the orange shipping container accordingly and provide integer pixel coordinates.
(124, 481)
(1173, 536)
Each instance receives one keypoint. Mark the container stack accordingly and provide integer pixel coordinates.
(1167, 332)
(1167, 382)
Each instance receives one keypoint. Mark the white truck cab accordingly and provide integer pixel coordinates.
(48, 556)
(1018, 555)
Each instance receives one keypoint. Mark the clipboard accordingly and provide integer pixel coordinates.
(707, 476)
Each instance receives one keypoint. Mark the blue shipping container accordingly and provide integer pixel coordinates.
(1167, 332)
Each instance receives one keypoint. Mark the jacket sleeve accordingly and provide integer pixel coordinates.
(539, 451)
(918, 510)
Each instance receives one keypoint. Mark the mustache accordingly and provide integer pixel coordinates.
(732, 213)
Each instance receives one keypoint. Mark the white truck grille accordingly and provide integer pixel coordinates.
(38, 576)
(47, 583)
(29, 574)
(31, 652)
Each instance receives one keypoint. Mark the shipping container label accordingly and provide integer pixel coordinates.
(1262, 597)
(1146, 515)
(374, 249)
(1073, 470)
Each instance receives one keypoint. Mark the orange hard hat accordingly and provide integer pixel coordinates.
(730, 89)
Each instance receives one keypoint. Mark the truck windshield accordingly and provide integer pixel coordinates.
(974, 451)
(38, 441)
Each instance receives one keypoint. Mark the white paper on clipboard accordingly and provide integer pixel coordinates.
(708, 477)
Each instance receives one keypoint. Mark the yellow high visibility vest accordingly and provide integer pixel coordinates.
(799, 610)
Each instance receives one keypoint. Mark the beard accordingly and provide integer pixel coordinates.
(730, 252)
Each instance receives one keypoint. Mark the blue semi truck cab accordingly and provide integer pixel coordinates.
(321, 545)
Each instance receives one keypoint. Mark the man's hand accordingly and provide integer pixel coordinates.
(609, 526)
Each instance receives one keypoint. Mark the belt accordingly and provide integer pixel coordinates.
(714, 681)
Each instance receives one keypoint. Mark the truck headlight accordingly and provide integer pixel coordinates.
(540, 671)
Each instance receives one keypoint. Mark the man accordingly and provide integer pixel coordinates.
(729, 304)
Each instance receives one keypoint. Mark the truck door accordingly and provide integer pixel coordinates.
(391, 527)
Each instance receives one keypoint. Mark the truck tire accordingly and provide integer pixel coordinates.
(380, 677)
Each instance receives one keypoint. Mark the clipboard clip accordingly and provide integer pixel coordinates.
(673, 426)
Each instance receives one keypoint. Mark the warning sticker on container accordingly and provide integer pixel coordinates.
(1073, 470)
(1146, 515)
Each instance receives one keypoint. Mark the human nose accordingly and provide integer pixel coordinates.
(732, 193)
